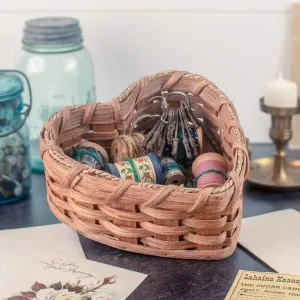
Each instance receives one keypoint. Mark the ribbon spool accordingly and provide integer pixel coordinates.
(141, 169)
(127, 146)
(209, 169)
(172, 173)
(91, 154)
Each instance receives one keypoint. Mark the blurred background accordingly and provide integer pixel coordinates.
(238, 45)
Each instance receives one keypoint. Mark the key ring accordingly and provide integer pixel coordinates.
(165, 106)
(166, 94)
(165, 113)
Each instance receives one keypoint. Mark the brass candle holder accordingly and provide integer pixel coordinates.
(278, 172)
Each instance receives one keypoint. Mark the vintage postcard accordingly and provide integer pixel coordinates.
(19, 246)
(250, 285)
(61, 277)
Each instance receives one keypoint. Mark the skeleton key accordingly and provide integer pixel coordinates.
(190, 138)
(150, 147)
(162, 139)
(175, 137)
(159, 130)
(205, 129)
(171, 127)
(191, 116)
(185, 141)
(149, 135)
(163, 142)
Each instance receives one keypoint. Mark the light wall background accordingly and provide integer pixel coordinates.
(238, 44)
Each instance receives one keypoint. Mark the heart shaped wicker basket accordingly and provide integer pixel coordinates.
(167, 221)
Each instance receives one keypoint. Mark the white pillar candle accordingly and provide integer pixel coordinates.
(281, 93)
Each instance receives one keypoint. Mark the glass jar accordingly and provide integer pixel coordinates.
(15, 172)
(60, 71)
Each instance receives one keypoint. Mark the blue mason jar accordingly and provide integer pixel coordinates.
(60, 70)
(15, 171)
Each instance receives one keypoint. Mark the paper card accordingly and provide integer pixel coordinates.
(275, 239)
(62, 277)
(20, 246)
(258, 285)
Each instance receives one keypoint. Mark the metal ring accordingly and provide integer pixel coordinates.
(166, 94)
(162, 119)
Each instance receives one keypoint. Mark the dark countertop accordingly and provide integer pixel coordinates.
(167, 278)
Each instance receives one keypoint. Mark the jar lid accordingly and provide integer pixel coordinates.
(10, 86)
(52, 31)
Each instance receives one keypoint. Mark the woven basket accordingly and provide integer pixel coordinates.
(168, 221)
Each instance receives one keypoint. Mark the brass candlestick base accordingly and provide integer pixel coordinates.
(277, 172)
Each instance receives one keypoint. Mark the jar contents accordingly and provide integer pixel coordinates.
(15, 179)
(15, 172)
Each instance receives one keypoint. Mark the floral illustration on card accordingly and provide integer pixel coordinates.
(68, 291)
(54, 277)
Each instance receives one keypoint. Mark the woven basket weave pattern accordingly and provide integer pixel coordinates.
(146, 218)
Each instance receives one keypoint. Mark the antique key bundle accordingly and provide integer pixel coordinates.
(165, 153)
(172, 125)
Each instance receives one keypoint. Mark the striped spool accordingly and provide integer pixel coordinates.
(127, 146)
(91, 154)
(172, 173)
(141, 169)
(209, 169)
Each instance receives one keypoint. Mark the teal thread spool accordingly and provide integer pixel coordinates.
(172, 173)
(91, 154)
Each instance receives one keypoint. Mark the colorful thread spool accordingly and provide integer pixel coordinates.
(141, 169)
(127, 146)
(91, 154)
(172, 173)
(209, 169)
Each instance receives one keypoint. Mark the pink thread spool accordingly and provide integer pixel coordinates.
(213, 168)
